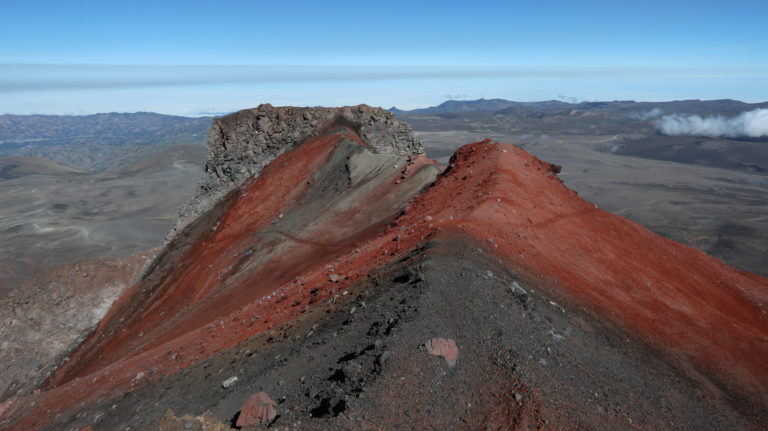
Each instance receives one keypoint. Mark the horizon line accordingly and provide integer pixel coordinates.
(203, 114)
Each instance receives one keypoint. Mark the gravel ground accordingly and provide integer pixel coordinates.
(526, 361)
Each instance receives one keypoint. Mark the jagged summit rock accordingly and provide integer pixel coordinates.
(241, 144)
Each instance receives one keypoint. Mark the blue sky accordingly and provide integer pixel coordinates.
(191, 57)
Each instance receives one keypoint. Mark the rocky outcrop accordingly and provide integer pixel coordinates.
(240, 145)
(43, 320)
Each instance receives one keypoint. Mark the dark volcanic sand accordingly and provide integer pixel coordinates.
(524, 363)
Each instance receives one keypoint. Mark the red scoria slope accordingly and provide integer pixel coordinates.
(678, 299)
(707, 316)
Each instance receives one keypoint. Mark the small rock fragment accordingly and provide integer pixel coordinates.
(226, 384)
(258, 409)
(191, 424)
(517, 289)
(384, 357)
(444, 347)
(333, 277)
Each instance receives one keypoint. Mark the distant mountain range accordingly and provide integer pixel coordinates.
(508, 107)
(479, 105)
(97, 142)
(113, 141)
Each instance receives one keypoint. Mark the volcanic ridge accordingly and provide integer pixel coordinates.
(330, 276)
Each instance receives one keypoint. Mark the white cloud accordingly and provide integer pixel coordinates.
(752, 124)
(647, 115)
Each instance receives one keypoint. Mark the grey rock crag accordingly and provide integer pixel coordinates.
(241, 144)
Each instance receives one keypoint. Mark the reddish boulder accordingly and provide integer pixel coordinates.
(444, 347)
(258, 409)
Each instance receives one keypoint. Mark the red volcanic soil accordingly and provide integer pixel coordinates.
(708, 317)
(247, 253)
(241, 269)
(672, 296)
(199, 273)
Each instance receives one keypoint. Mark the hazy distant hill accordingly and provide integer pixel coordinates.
(479, 105)
(167, 159)
(19, 166)
(97, 142)
(618, 107)
(504, 117)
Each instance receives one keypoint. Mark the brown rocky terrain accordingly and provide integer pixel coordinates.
(330, 276)
(50, 315)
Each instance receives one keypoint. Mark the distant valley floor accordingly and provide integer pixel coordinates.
(54, 217)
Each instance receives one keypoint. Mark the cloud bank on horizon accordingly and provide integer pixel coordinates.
(647, 115)
(194, 90)
(750, 124)
(31, 77)
(174, 57)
